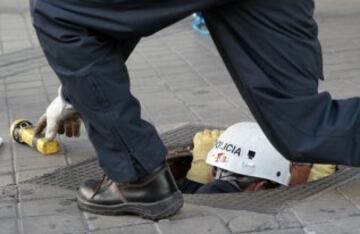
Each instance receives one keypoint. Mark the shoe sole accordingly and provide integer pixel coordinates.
(155, 211)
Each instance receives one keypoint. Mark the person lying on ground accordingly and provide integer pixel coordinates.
(242, 159)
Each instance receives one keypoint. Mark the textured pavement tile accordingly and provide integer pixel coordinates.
(6, 179)
(328, 195)
(181, 84)
(219, 78)
(356, 200)
(174, 118)
(28, 107)
(4, 125)
(5, 165)
(227, 114)
(24, 152)
(251, 222)
(8, 226)
(34, 192)
(7, 210)
(319, 211)
(164, 70)
(200, 95)
(2, 87)
(225, 215)
(52, 206)
(167, 108)
(78, 150)
(136, 229)
(22, 78)
(26, 164)
(143, 73)
(24, 85)
(155, 91)
(12, 46)
(53, 224)
(12, 35)
(51, 86)
(148, 82)
(9, 193)
(343, 226)
(215, 109)
(198, 225)
(188, 211)
(351, 189)
(27, 157)
(162, 128)
(285, 231)
(4, 120)
(99, 222)
(226, 118)
(184, 77)
(6, 157)
(26, 93)
(209, 66)
(287, 219)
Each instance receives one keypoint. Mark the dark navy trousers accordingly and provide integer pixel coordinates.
(271, 49)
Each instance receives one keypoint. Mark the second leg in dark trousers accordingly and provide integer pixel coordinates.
(87, 43)
(272, 51)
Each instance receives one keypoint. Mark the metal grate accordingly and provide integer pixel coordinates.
(71, 177)
(269, 201)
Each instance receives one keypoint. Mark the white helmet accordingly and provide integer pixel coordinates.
(244, 149)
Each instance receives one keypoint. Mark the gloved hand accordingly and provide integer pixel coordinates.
(201, 172)
(319, 171)
(60, 117)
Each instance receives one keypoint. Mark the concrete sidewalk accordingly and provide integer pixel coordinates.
(179, 78)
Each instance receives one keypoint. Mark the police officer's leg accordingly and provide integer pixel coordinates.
(272, 51)
(87, 43)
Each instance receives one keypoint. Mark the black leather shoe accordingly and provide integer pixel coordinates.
(154, 197)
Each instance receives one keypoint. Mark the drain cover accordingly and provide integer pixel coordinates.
(269, 201)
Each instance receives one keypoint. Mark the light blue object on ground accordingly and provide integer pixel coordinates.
(199, 24)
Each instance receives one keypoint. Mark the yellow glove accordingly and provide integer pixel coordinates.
(319, 171)
(200, 172)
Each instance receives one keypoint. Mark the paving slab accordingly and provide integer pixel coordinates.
(49, 206)
(200, 225)
(190, 211)
(325, 211)
(100, 222)
(253, 222)
(9, 226)
(54, 224)
(286, 231)
(288, 220)
(349, 225)
(143, 229)
(8, 209)
(32, 192)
